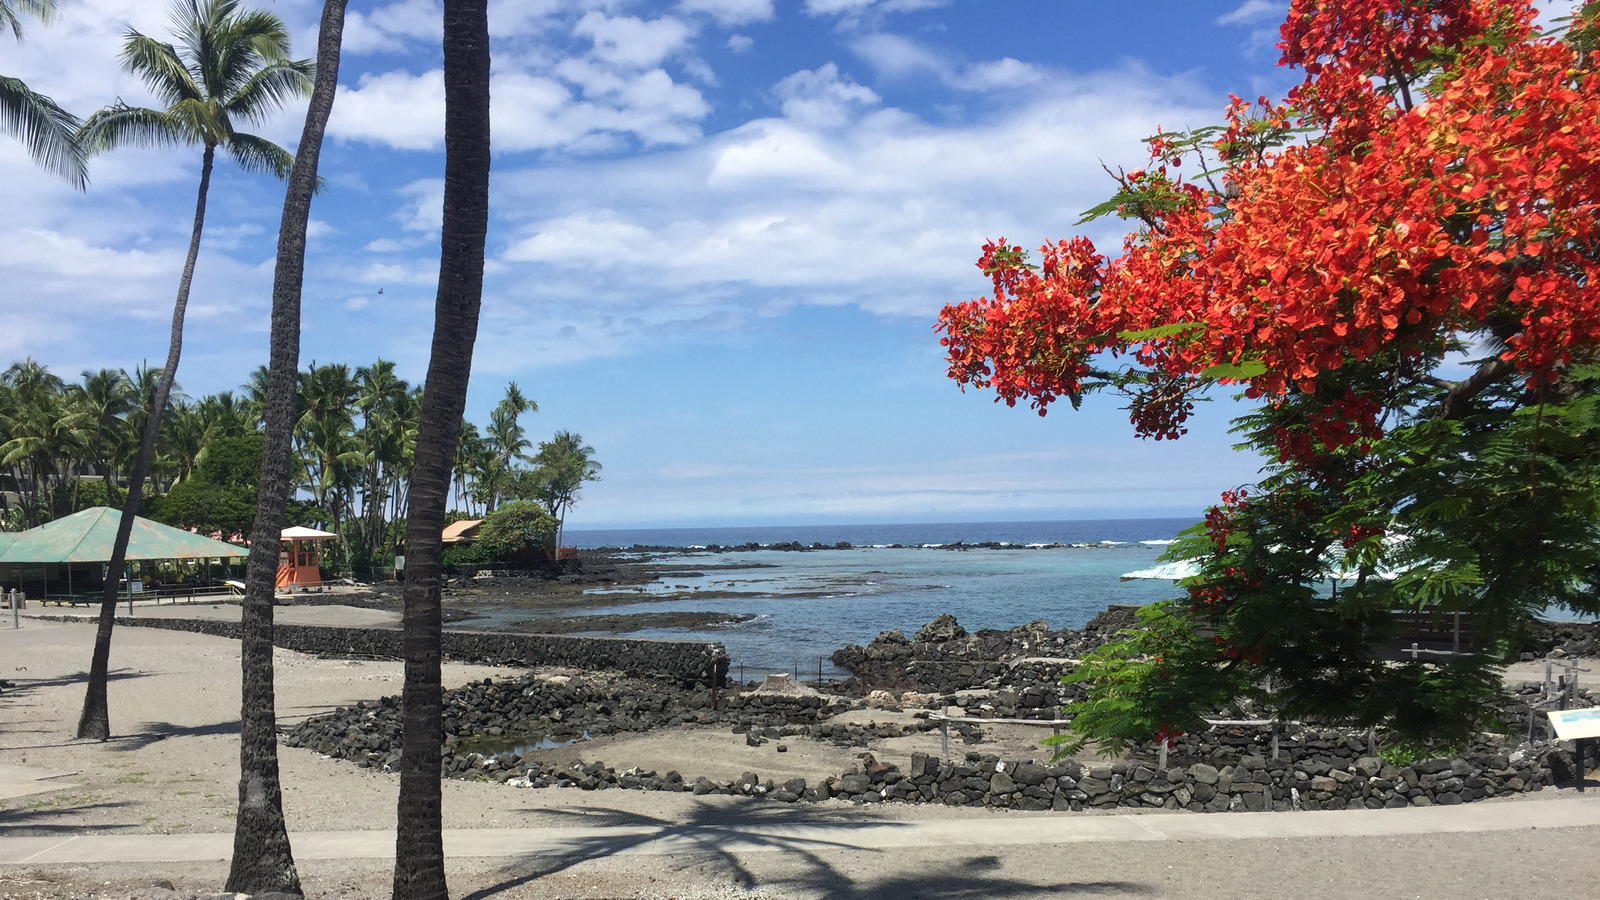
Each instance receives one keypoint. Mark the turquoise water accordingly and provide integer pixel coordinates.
(808, 604)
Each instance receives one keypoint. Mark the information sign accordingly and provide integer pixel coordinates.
(1576, 724)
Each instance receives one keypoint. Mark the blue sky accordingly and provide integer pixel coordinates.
(721, 233)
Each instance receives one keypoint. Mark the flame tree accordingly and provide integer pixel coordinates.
(1397, 264)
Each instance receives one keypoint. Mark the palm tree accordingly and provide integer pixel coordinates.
(383, 437)
(564, 463)
(43, 439)
(470, 450)
(107, 398)
(326, 438)
(181, 444)
(255, 397)
(262, 860)
(507, 439)
(419, 839)
(50, 132)
(233, 65)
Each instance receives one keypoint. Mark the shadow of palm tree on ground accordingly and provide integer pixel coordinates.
(38, 819)
(21, 685)
(151, 732)
(726, 832)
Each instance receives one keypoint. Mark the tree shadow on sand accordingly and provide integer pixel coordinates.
(43, 820)
(151, 732)
(21, 686)
(726, 833)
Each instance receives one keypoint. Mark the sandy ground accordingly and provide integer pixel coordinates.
(174, 702)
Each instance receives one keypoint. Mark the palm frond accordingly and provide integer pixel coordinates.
(257, 154)
(50, 132)
(271, 87)
(265, 32)
(160, 67)
(203, 120)
(43, 10)
(122, 125)
(244, 44)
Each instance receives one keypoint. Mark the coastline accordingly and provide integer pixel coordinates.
(172, 770)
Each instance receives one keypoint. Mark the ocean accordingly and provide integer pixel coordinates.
(806, 604)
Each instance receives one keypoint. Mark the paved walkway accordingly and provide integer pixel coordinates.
(1012, 830)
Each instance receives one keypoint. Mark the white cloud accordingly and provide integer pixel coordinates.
(580, 104)
(858, 7)
(626, 41)
(896, 57)
(887, 215)
(740, 43)
(777, 151)
(821, 97)
(1262, 18)
(398, 109)
(387, 29)
(1001, 74)
(731, 12)
(424, 211)
(1252, 11)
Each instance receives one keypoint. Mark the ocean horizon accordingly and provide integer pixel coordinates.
(1065, 532)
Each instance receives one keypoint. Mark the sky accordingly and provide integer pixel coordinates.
(721, 234)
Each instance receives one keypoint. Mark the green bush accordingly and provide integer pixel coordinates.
(474, 554)
(520, 532)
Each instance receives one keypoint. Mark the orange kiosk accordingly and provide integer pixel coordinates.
(299, 560)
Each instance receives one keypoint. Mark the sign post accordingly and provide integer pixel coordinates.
(1582, 727)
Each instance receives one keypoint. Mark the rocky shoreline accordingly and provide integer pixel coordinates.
(507, 730)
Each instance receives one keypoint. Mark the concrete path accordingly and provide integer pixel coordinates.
(23, 781)
(1009, 830)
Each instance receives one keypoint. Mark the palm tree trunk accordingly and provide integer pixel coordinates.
(95, 720)
(419, 847)
(262, 859)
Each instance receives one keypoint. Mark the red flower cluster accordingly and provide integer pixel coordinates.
(1426, 210)
(1219, 519)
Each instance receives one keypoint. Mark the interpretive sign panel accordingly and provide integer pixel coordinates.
(1576, 724)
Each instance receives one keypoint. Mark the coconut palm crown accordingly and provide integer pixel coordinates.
(49, 131)
(229, 65)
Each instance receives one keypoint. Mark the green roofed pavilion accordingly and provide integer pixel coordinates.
(87, 536)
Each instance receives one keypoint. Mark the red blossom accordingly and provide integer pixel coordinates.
(1403, 225)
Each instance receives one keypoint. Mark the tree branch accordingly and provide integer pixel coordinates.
(1462, 392)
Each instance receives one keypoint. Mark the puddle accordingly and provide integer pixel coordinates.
(520, 744)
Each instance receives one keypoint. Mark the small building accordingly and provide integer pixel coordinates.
(64, 560)
(299, 559)
(462, 532)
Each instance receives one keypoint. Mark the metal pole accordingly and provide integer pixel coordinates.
(944, 739)
(16, 620)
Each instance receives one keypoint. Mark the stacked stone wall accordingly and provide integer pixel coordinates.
(688, 662)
